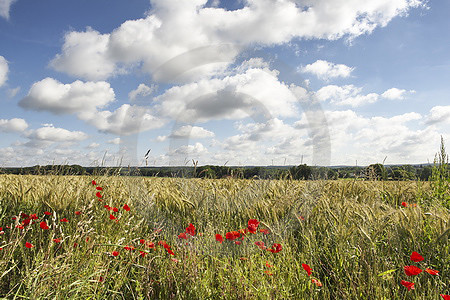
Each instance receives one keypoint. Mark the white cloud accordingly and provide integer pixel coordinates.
(53, 134)
(3, 70)
(5, 6)
(58, 98)
(193, 132)
(93, 145)
(13, 125)
(85, 55)
(327, 70)
(141, 91)
(345, 95)
(253, 93)
(439, 114)
(175, 27)
(115, 141)
(197, 149)
(394, 94)
(126, 120)
(13, 92)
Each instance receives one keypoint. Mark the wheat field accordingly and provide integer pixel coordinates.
(67, 237)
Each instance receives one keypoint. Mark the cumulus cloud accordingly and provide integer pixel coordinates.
(5, 6)
(13, 125)
(50, 133)
(196, 149)
(126, 120)
(93, 145)
(172, 28)
(141, 91)
(85, 55)
(349, 95)
(193, 132)
(78, 97)
(371, 139)
(115, 141)
(327, 70)
(3, 70)
(254, 93)
(394, 94)
(85, 99)
(439, 114)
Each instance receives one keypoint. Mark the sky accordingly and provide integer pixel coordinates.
(235, 82)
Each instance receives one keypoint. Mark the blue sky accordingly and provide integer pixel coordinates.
(245, 82)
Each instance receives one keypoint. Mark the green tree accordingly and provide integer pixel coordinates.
(376, 172)
(301, 172)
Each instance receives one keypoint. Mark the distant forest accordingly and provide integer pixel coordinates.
(302, 172)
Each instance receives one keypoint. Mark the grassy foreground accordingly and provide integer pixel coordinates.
(356, 237)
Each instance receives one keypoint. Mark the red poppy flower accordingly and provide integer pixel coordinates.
(190, 229)
(47, 213)
(316, 282)
(126, 207)
(93, 182)
(412, 270)
(151, 245)
(13, 218)
(431, 271)
(163, 243)
(142, 253)
(115, 253)
(43, 225)
(26, 222)
(238, 242)
(111, 217)
(78, 213)
(75, 245)
(29, 245)
(129, 248)
(24, 216)
(446, 297)
(183, 236)
(98, 195)
(307, 268)
(260, 245)
(267, 265)
(404, 204)
(232, 235)
(170, 251)
(64, 220)
(99, 188)
(416, 257)
(252, 225)
(142, 241)
(56, 240)
(33, 217)
(264, 230)
(219, 238)
(275, 248)
(19, 226)
(408, 284)
(107, 207)
(115, 209)
(268, 273)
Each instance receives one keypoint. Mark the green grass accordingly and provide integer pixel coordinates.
(347, 231)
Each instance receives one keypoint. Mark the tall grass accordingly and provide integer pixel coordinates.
(349, 232)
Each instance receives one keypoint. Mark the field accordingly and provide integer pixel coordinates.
(105, 240)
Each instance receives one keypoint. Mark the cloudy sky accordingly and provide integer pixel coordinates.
(235, 82)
